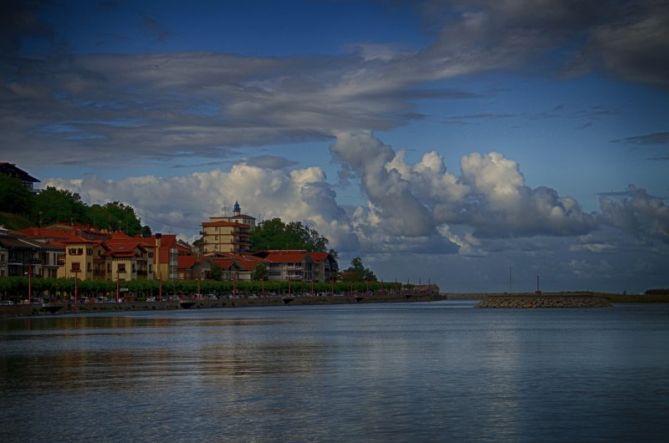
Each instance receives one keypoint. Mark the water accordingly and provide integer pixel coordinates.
(385, 372)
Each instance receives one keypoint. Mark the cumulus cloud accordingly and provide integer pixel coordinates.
(181, 203)
(486, 215)
(638, 213)
(489, 196)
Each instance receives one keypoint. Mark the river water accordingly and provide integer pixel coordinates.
(441, 371)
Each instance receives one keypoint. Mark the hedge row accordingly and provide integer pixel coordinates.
(17, 287)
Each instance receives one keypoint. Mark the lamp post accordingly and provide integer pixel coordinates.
(157, 264)
(30, 283)
(118, 285)
(76, 288)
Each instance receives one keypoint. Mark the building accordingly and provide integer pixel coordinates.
(228, 234)
(11, 170)
(233, 266)
(3, 262)
(20, 255)
(299, 265)
(87, 253)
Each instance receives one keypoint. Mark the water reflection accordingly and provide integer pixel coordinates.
(366, 373)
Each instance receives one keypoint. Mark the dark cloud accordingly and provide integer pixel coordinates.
(655, 138)
(206, 104)
(20, 19)
(157, 30)
(270, 162)
(637, 212)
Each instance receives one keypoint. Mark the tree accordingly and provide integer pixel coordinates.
(116, 216)
(358, 272)
(14, 196)
(215, 272)
(58, 205)
(259, 272)
(275, 234)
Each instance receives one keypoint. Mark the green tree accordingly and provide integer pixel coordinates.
(215, 272)
(358, 272)
(14, 196)
(259, 272)
(275, 234)
(57, 205)
(116, 216)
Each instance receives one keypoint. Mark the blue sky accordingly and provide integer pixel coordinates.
(472, 135)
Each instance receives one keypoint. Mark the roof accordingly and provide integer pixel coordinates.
(186, 261)
(319, 257)
(246, 262)
(11, 170)
(223, 223)
(287, 256)
(48, 233)
(76, 240)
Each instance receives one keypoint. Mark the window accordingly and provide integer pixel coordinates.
(120, 268)
(80, 251)
(89, 251)
(108, 267)
(133, 268)
(76, 266)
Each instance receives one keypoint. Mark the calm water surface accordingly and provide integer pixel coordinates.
(397, 372)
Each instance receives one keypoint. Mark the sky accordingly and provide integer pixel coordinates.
(472, 144)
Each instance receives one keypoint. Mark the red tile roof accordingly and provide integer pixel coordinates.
(288, 256)
(47, 233)
(224, 223)
(319, 257)
(186, 261)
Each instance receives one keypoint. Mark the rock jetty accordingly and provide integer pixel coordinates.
(543, 301)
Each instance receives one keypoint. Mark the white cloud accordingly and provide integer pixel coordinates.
(490, 195)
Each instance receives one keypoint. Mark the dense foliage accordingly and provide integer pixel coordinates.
(275, 234)
(358, 272)
(16, 288)
(53, 205)
(14, 197)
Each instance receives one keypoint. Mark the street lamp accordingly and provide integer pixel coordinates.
(157, 263)
(76, 289)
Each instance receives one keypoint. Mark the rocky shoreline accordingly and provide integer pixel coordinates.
(543, 301)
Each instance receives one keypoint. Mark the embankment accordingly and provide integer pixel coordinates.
(224, 302)
(538, 301)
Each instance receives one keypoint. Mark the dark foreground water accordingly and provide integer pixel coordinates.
(402, 372)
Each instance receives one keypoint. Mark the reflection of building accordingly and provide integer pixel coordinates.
(228, 234)
(11, 170)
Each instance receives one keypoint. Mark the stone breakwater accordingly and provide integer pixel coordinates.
(543, 301)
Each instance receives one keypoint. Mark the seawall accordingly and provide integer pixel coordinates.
(22, 310)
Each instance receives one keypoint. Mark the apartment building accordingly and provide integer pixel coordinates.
(228, 234)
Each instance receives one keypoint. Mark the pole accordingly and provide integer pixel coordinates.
(76, 289)
(118, 287)
(510, 280)
(30, 283)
